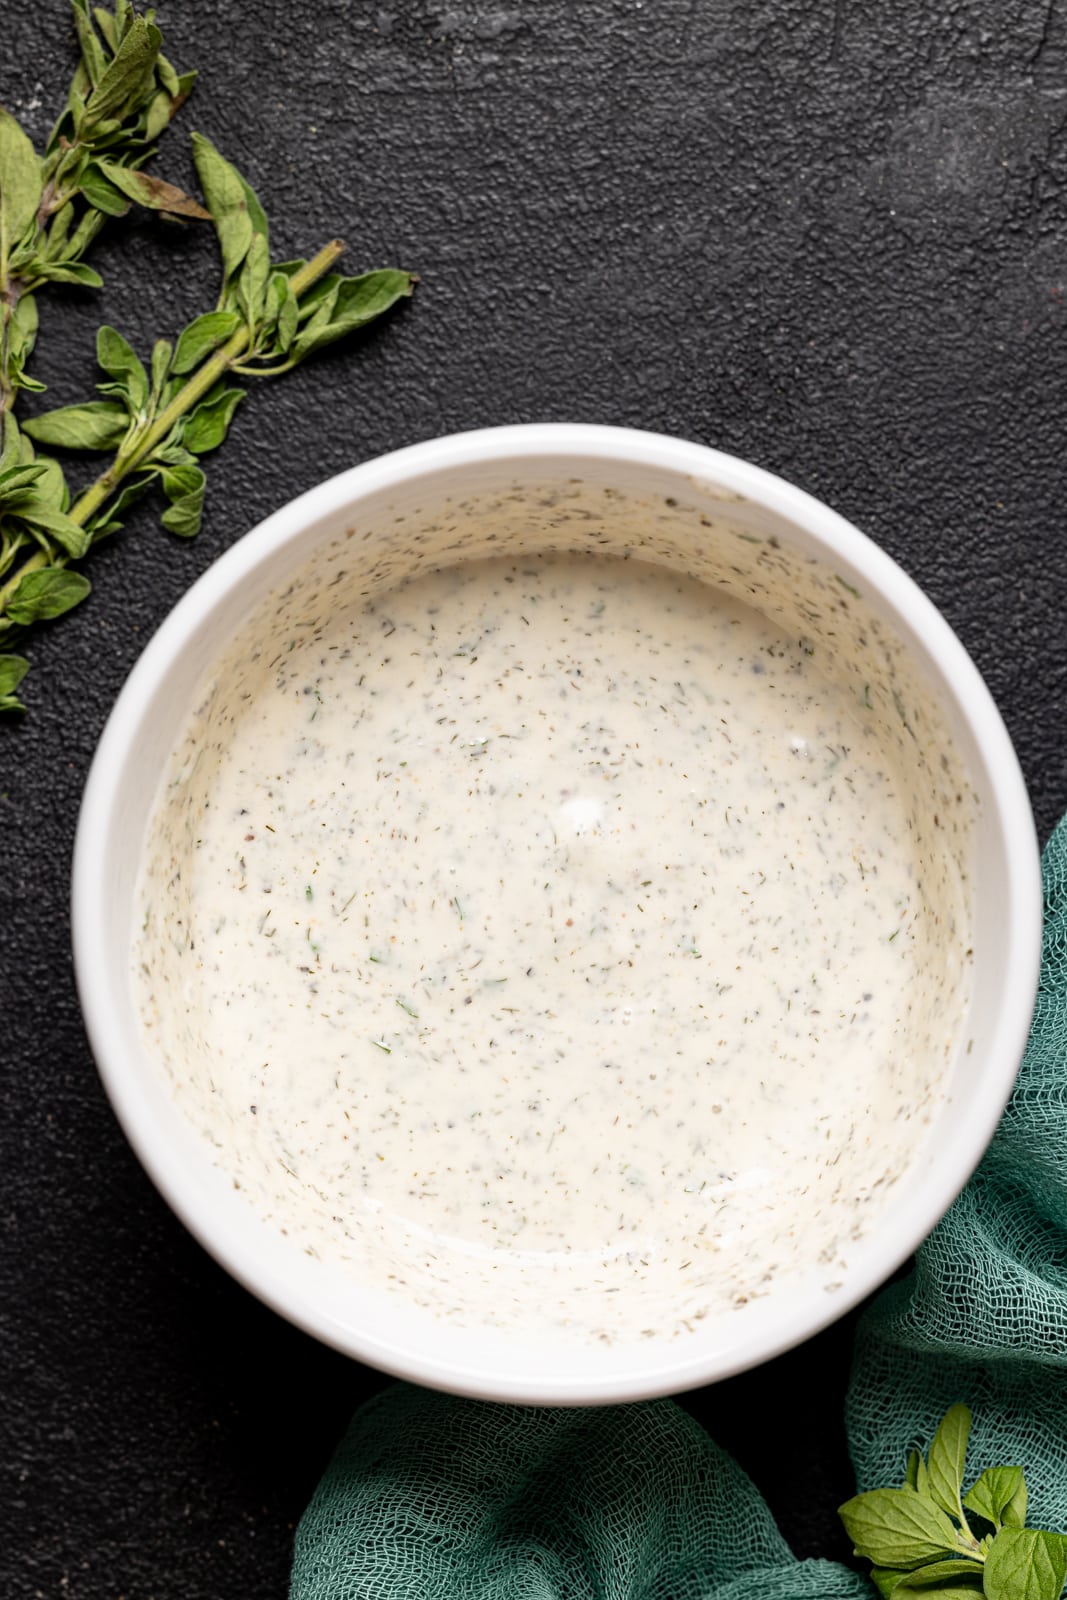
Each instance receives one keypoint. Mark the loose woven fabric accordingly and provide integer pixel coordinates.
(433, 1498)
(430, 1496)
(983, 1318)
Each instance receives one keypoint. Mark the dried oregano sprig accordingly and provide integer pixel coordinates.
(154, 422)
(928, 1540)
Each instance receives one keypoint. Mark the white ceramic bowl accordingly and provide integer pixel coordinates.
(145, 726)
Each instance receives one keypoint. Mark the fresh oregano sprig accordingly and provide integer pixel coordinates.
(122, 97)
(155, 422)
(928, 1540)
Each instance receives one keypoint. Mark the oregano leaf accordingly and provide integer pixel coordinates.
(58, 232)
(51, 488)
(157, 115)
(109, 520)
(20, 183)
(96, 425)
(203, 335)
(315, 325)
(224, 191)
(945, 1461)
(12, 671)
(172, 454)
(85, 233)
(162, 352)
(153, 192)
(999, 1496)
(208, 425)
(357, 302)
(1026, 1564)
(47, 593)
(941, 1577)
(285, 313)
(167, 76)
(949, 1589)
(106, 23)
(17, 481)
(252, 281)
(70, 272)
(67, 533)
(897, 1528)
(10, 450)
(183, 518)
(92, 50)
(129, 494)
(184, 488)
(255, 209)
(183, 480)
(117, 357)
(103, 194)
(124, 78)
(960, 1580)
(22, 330)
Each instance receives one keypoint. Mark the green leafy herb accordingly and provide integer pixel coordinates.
(225, 195)
(959, 1578)
(154, 421)
(152, 192)
(999, 1497)
(41, 594)
(203, 335)
(206, 427)
(12, 671)
(20, 189)
(1026, 1564)
(122, 97)
(945, 1461)
(96, 425)
(922, 1542)
(898, 1528)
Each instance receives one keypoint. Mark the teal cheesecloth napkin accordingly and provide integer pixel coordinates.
(434, 1498)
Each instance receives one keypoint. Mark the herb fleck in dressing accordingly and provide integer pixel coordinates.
(551, 927)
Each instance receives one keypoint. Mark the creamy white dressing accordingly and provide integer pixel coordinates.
(549, 939)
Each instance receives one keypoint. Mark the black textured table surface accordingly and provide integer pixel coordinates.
(824, 235)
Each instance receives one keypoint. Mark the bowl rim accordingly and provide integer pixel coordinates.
(1008, 806)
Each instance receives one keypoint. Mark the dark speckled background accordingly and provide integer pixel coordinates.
(830, 237)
